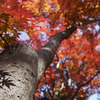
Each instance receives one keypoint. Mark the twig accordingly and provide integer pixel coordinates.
(5, 41)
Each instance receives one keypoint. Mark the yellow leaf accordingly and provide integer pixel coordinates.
(77, 38)
(97, 6)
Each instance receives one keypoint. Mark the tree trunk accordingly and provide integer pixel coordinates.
(22, 67)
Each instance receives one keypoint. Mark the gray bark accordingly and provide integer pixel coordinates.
(22, 67)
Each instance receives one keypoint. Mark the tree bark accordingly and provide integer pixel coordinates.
(22, 67)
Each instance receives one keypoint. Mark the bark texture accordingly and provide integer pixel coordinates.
(22, 67)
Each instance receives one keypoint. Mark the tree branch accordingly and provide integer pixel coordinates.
(47, 52)
(83, 85)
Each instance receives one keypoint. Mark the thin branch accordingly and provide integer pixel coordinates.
(55, 79)
(46, 86)
(5, 41)
(83, 85)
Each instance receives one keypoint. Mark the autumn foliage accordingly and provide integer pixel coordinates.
(75, 70)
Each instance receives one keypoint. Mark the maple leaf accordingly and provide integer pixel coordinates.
(7, 82)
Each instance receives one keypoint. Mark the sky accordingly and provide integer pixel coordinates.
(94, 97)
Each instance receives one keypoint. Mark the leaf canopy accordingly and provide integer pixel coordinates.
(78, 57)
